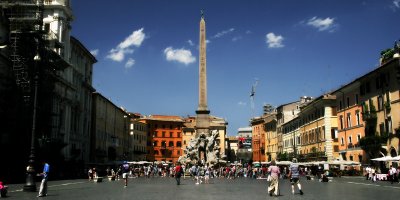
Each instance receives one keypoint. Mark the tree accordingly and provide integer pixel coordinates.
(372, 144)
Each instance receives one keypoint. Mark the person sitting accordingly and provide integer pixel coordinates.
(3, 190)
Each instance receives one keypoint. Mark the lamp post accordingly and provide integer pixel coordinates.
(30, 185)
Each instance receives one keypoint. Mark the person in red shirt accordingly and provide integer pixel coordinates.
(178, 173)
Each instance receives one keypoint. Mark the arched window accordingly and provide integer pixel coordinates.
(179, 144)
(171, 144)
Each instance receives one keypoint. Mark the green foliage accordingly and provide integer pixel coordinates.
(372, 144)
(283, 156)
(387, 54)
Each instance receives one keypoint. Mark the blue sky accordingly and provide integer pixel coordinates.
(147, 50)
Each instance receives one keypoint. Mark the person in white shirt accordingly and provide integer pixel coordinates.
(392, 173)
(373, 174)
(368, 172)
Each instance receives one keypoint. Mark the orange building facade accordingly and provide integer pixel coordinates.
(258, 139)
(351, 126)
(164, 137)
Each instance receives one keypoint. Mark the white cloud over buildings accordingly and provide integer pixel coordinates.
(125, 47)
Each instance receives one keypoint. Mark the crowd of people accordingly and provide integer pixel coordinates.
(372, 173)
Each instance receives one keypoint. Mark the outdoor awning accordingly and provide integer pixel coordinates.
(387, 158)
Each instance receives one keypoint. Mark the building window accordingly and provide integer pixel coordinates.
(178, 144)
(340, 105)
(350, 141)
(342, 141)
(367, 87)
(171, 144)
(341, 121)
(348, 120)
(184, 142)
(380, 103)
(171, 134)
(155, 134)
(163, 134)
(348, 102)
(358, 117)
(389, 125)
(358, 137)
(356, 98)
(178, 134)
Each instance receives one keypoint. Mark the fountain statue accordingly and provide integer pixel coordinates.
(206, 144)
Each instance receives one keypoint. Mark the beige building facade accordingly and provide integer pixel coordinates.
(110, 138)
(318, 130)
(380, 102)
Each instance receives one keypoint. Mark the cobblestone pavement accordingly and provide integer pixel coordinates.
(243, 188)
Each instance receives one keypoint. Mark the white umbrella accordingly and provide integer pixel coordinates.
(283, 163)
(343, 162)
(385, 158)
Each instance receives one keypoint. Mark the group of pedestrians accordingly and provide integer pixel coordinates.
(274, 174)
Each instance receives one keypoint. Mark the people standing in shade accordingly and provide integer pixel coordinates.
(178, 173)
(294, 174)
(125, 172)
(45, 176)
(274, 173)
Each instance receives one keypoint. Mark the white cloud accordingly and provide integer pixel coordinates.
(208, 41)
(248, 32)
(135, 39)
(125, 47)
(236, 38)
(322, 24)
(190, 42)
(180, 55)
(396, 3)
(274, 41)
(94, 52)
(222, 33)
(118, 55)
(129, 63)
(240, 103)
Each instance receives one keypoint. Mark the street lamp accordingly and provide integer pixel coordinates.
(30, 185)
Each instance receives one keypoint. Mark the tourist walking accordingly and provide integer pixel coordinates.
(45, 176)
(207, 175)
(3, 190)
(274, 173)
(90, 174)
(125, 172)
(294, 175)
(178, 173)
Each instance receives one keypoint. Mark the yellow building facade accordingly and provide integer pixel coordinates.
(318, 130)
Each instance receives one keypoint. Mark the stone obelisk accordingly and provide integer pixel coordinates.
(203, 117)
